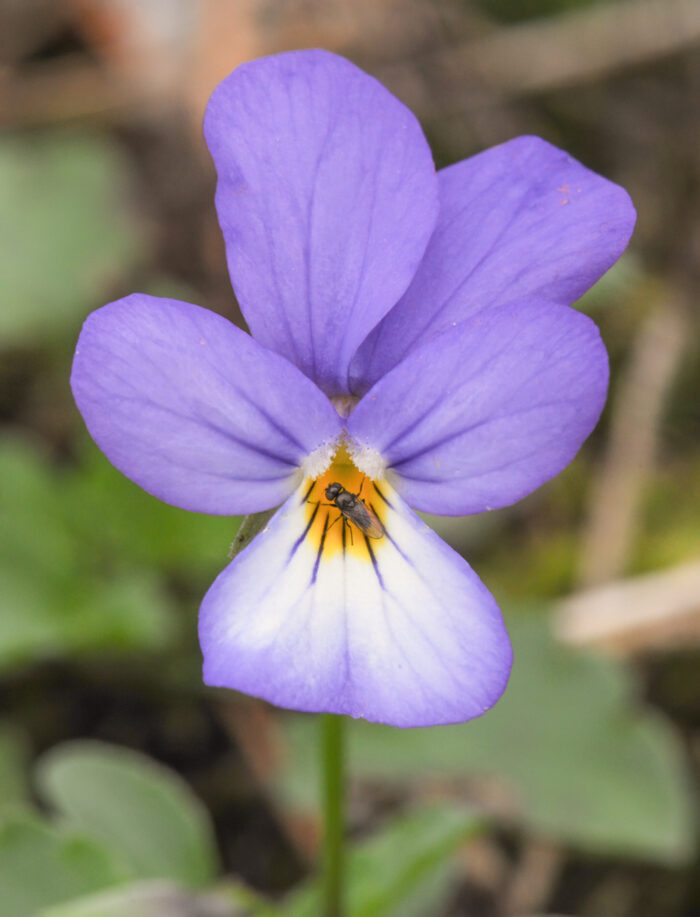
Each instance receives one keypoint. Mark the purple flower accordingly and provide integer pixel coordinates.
(412, 343)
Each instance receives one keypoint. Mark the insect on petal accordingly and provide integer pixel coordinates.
(396, 629)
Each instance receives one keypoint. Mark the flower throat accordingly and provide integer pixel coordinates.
(346, 510)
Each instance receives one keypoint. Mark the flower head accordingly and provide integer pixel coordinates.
(412, 345)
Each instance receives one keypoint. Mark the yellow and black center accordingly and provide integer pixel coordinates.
(345, 511)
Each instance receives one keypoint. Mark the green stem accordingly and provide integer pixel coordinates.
(250, 527)
(333, 792)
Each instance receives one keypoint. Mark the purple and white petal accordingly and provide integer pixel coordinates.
(327, 196)
(408, 636)
(193, 409)
(481, 415)
(520, 220)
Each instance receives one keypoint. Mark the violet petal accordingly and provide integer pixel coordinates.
(405, 635)
(327, 196)
(479, 416)
(520, 220)
(193, 409)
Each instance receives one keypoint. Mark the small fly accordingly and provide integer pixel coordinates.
(354, 509)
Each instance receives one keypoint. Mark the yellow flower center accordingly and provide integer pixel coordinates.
(345, 511)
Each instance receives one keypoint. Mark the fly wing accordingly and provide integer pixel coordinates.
(366, 520)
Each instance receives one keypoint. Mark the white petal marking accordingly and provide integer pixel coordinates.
(411, 639)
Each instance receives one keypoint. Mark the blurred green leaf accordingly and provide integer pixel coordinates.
(388, 874)
(59, 593)
(65, 235)
(49, 616)
(40, 866)
(13, 767)
(119, 518)
(141, 809)
(671, 534)
(582, 761)
(517, 10)
(618, 282)
(154, 898)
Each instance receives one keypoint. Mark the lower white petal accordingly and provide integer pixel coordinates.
(316, 616)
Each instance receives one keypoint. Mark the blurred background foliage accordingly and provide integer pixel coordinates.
(127, 789)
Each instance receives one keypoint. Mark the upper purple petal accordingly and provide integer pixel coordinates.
(327, 196)
(193, 409)
(522, 219)
(481, 415)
